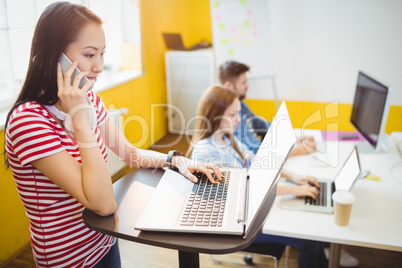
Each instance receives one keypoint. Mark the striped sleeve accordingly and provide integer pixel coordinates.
(101, 110)
(33, 137)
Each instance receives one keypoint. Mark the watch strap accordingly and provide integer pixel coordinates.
(170, 157)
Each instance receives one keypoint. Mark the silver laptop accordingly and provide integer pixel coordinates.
(344, 180)
(236, 205)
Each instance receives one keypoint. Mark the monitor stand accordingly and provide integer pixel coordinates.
(366, 148)
(396, 169)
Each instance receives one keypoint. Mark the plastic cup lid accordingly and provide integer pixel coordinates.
(343, 197)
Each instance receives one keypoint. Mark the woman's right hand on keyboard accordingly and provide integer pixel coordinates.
(187, 167)
(306, 190)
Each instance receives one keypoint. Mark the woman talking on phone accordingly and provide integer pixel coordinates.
(56, 137)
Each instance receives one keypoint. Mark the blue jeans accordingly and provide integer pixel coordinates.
(111, 259)
(310, 253)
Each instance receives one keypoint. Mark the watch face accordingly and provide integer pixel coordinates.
(170, 156)
(177, 153)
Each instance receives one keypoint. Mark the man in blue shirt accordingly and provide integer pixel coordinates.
(251, 128)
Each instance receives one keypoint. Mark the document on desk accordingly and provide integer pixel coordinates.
(230, 206)
(327, 151)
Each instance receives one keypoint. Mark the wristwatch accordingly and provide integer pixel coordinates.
(170, 157)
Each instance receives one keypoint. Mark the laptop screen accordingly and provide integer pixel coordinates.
(267, 163)
(173, 41)
(348, 173)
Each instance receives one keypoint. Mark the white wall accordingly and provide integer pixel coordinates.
(319, 46)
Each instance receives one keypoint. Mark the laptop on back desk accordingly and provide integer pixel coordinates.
(244, 192)
(174, 41)
(344, 180)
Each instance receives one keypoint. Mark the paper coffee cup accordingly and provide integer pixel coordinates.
(343, 201)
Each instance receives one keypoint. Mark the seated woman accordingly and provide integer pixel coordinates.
(214, 142)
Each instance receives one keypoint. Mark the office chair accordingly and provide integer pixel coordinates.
(272, 250)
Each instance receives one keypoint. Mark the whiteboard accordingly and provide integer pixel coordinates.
(241, 32)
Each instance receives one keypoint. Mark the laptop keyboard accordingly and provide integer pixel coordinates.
(321, 199)
(206, 203)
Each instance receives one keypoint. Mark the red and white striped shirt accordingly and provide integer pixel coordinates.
(59, 236)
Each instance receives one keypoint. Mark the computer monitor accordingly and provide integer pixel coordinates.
(370, 112)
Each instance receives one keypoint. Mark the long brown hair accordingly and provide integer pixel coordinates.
(211, 108)
(57, 27)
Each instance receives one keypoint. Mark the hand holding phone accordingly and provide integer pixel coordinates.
(65, 63)
(69, 103)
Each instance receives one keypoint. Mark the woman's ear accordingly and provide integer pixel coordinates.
(228, 85)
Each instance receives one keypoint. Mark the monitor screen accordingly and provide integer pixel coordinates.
(370, 108)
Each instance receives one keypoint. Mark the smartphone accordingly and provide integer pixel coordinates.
(65, 63)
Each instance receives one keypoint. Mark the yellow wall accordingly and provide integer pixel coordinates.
(14, 230)
(324, 116)
(145, 124)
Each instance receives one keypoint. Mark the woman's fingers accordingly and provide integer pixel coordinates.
(310, 145)
(69, 83)
(87, 85)
(60, 79)
(209, 169)
(313, 180)
(77, 80)
(306, 190)
(216, 170)
(208, 173)
(68, 74)
(313, 192)
(187, 167)
(189, 175)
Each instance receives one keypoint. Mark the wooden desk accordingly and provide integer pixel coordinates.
(376, 219)
(132, 193)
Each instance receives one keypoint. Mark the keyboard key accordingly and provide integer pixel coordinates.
(201, 224)
(187, 223)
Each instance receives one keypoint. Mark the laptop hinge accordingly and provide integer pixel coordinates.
(243, 202)
(247, 198)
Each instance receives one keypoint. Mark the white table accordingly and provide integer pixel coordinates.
(376, 219)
